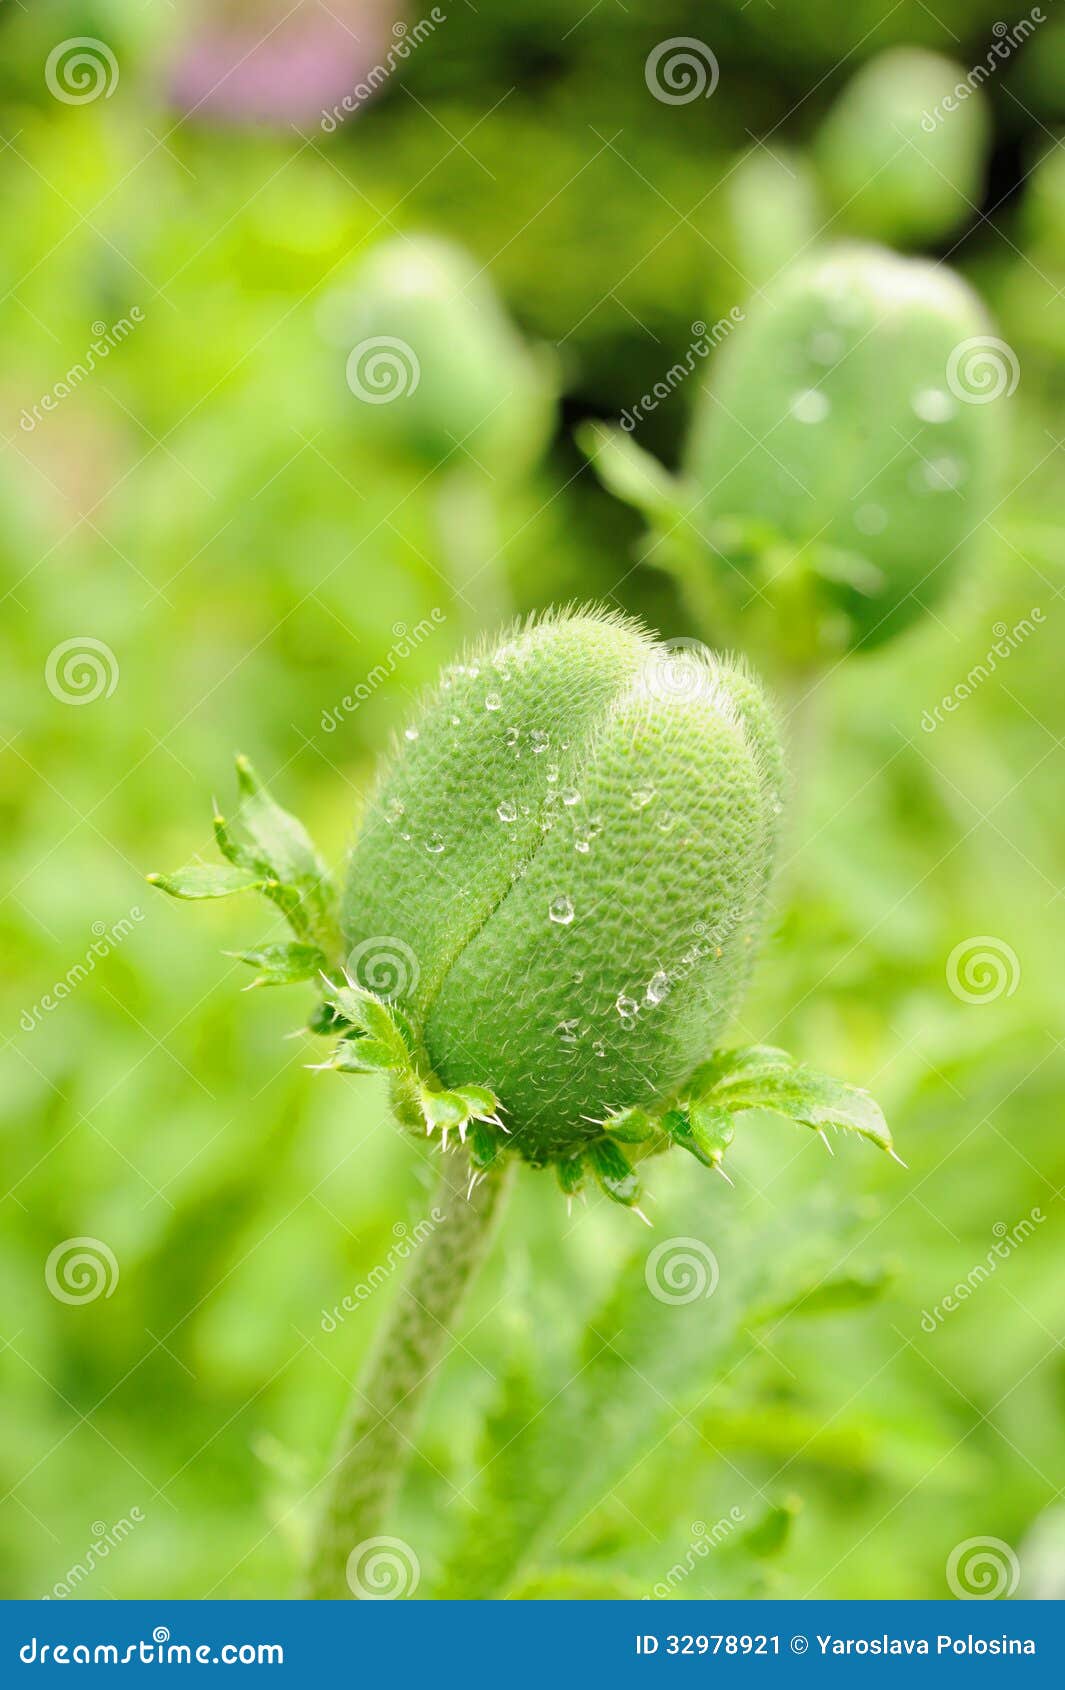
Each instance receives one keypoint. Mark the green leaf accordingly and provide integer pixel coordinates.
(571, 1174)
(630, 1126)
(205, 880)
(614, 1172)
(813, 1100)
(279, 848)
(632, 474)
(485, 1145)
(282, 965)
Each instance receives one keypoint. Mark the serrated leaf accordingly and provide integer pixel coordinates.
(814, 1100)
(283, 964)
(279, 847)
(207, 880)
(613, 1171)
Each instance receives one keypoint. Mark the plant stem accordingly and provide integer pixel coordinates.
(375, 1439)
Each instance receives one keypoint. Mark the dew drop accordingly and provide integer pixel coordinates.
(810, 406)
(666, 822)
(578, 977)
(641, 796)
(455, 721)
(513, 735)
(410, 733)
(492, 701)
(570, 795)
(657, 987)
(560, 910)
(583, 846)
(599, 1047)
(626, 1007)
(394, 809)
(539, 740)
(435, 844)
(569, 1031)
(507, 811)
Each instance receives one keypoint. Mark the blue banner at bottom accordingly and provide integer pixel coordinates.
(537, 1643)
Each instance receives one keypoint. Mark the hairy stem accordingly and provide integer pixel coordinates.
(375, 1439)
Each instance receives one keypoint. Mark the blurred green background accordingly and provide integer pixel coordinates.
(214, 506)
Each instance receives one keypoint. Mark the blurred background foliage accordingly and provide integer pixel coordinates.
(212, 503)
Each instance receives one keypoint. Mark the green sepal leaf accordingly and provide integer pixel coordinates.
(205, 880)
(282, 965)
(571, 1174)
(279, 848)
(813, 1100)
(326, 1018)
(444, 1109)
(365, 1055)
(704, 1129)
(614, 1172)
(630, 1126)
(484, 1145)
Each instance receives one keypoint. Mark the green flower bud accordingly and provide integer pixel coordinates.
(562, 872)
(902, 157)
(436, 369)
(840, 458)
(550, 910)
